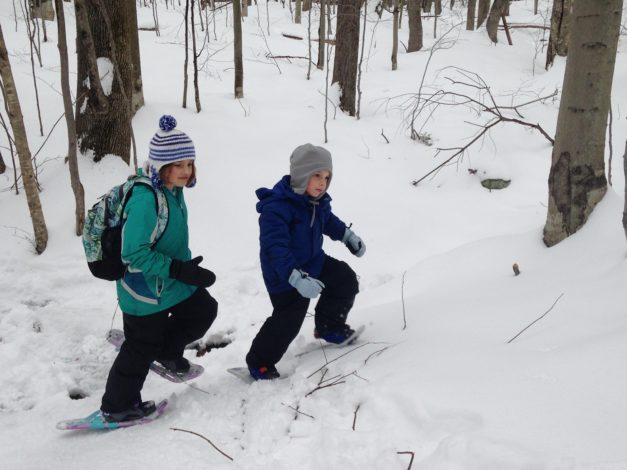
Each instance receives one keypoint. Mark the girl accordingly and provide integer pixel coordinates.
(163, 293)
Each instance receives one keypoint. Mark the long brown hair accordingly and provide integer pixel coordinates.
(192, 178)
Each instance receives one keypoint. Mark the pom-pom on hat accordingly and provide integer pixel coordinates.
(168, 145)
(306, 159)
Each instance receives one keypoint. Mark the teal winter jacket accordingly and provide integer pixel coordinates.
(146, 286)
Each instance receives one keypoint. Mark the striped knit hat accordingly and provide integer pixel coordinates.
(168, 145)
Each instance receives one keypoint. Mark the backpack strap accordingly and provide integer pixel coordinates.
(161, 205)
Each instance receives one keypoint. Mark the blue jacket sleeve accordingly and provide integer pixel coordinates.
(138, 235)
(334, 228)
(274, 240)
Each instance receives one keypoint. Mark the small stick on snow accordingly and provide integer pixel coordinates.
(203, 437)
(355, 416)
(411, 461)
(537, 319)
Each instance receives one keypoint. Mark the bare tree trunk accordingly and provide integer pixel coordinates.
(237, 44)
(577, 178)
(186, 62)
(347, 53)
(21, 142)
(244, 8)
(535, 6)
(361, 59)
(560, 30)
(625, 208)
(77, 187)
(298, 12)
(137, 88)
(414, 20)
(87, 52)
(496, 12)
(34, 47)
(471, 15)
(482, 14)
(306, 5)
(395, 19)
(426, 5)
(107, 131)
(195, 56)
(322, 34)
(3, 166)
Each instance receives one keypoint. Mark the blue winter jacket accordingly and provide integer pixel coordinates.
(291, 227)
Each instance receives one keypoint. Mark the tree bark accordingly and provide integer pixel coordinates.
(471, 15)
(237, 45)
(482, 14)
(21, 142)
(395, 27)
(298, 11)
(322, 34)
(195, 57)
(77, 187)
(577, 177)
(137, 88)
(560, 30)
(106, 131)
(625, 208)
(496, 12)
(414, 19)
(347, 53)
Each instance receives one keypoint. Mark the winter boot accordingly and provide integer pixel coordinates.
(264, 373)
(336, 336)
(180, 365)
(138, 411)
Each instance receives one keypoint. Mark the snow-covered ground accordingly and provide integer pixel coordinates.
(434, 377)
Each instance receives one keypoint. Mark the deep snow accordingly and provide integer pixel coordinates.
(434, 374)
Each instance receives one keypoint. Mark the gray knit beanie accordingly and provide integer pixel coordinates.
(306, 159)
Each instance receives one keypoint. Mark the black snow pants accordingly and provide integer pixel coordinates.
(161, 335)
(290, 308)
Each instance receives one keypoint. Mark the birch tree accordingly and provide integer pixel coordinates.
(16, 119)
(577, 177)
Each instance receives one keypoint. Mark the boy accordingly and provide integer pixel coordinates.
(294, 216)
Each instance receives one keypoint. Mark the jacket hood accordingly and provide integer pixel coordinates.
(283, 191)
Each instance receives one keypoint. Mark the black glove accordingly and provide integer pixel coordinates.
(190, 273)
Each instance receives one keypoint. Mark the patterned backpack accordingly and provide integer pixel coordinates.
(102, 233)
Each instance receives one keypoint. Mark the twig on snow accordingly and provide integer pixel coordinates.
(537, 319)
(411, 461)
(203, 437)
(355, 416)
(297, 411)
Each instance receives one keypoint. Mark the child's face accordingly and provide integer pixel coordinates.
(178, 174)
(318, 183)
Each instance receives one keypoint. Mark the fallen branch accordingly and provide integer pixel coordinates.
(403, 299)
(376, 353)
(337, 381)
(523, 26)
(411, 461)
(537, 319)
(203, 437)
(355, 416)
(298, 411)
(333, 360)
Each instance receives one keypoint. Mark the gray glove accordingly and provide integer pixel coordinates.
(354, 243)
(306, 286)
